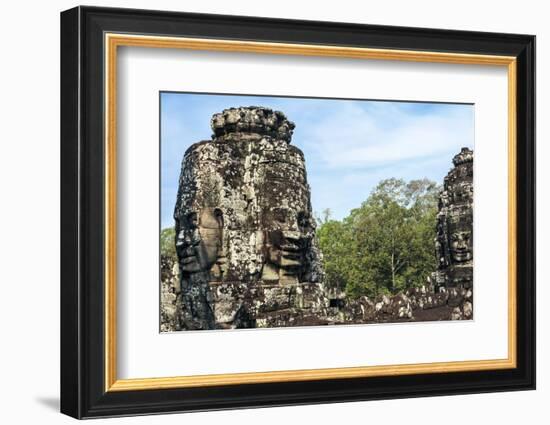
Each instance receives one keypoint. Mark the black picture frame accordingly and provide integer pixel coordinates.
(83, 392)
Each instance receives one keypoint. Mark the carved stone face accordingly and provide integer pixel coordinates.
(287, 224)
(199, 240)
(287, 241)
(454, 241)
(460, 244)
(251, 173)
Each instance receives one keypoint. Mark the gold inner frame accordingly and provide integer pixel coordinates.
(113, 41)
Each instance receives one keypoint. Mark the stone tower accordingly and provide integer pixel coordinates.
(454, 241)
(245, 235)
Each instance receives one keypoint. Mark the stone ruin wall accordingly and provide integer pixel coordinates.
(247, 250)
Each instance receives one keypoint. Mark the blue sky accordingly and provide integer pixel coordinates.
(349, 145)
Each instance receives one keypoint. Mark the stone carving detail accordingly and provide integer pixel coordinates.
(245, 235)
(454, 241)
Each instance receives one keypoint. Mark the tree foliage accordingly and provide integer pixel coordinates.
(168, 242)
(385, 245)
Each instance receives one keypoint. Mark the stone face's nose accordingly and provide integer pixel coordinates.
(180, 240)
(293, 237)
(187, 238)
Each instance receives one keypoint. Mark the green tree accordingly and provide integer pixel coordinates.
(168, 242)
(334, 241)
(385, 245)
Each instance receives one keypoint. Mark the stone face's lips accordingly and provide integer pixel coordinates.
(461, 254)
(188, 258)
(290, 248)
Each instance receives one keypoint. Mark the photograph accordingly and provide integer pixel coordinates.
(295, 211)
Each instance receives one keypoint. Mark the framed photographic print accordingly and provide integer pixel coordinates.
(261, 212)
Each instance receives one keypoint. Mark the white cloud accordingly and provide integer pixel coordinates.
(387, 133)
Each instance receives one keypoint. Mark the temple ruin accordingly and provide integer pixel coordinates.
(247, 252)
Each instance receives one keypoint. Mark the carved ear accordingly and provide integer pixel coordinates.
(218, 214)
(303, 220)
(219, 217)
